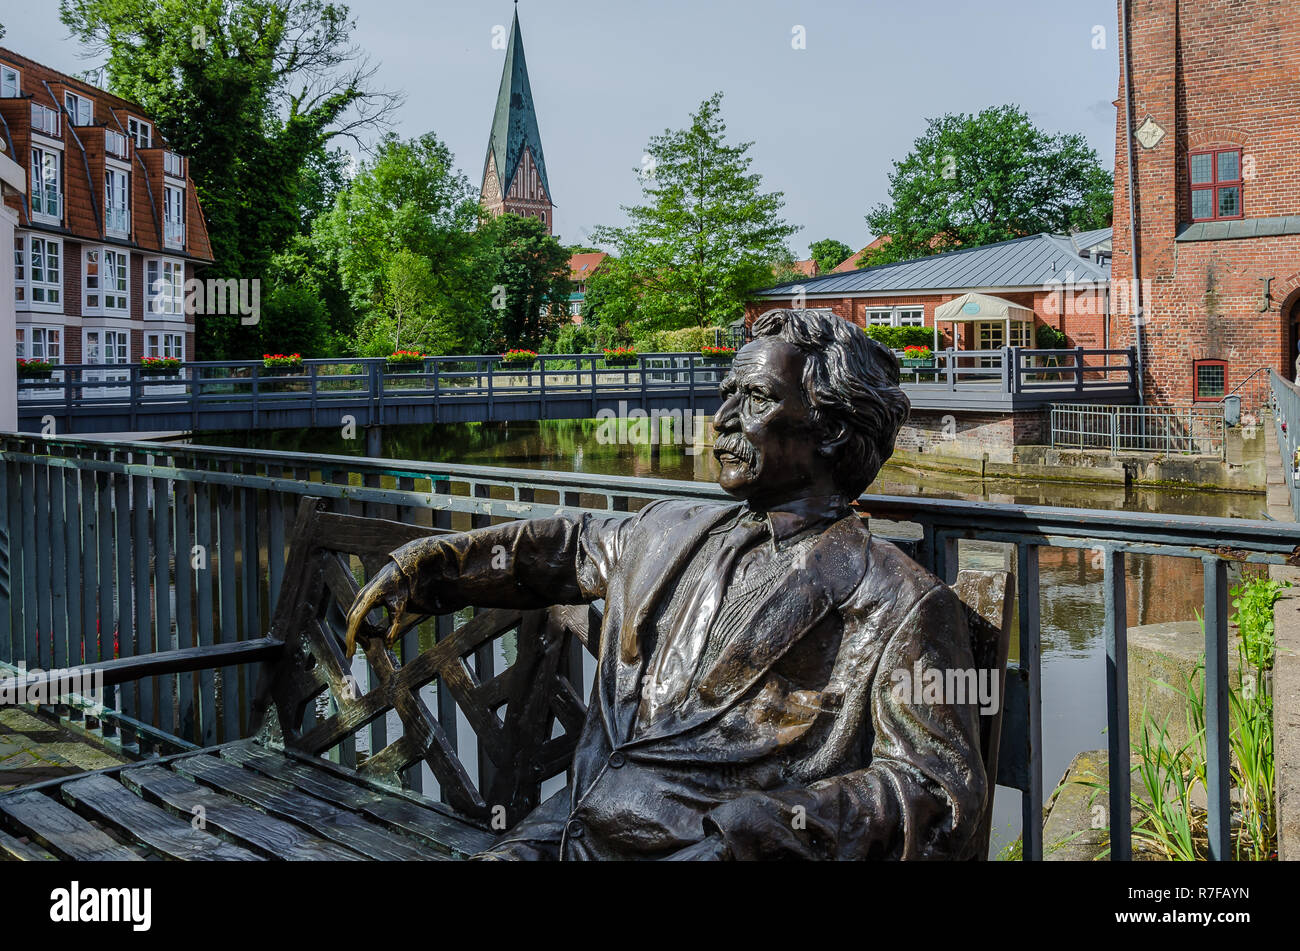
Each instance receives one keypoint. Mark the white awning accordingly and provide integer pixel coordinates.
(972, 307)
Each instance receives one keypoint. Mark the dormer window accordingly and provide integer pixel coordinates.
(1216, 184)
(140, 131)
(116, 217)
(10, 85)
(80, 108)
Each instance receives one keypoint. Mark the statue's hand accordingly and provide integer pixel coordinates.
(387, 589)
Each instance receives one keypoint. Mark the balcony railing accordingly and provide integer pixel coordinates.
(174, 233)
(117, 220)
(173, 165)
(45, 119)
(115, 144)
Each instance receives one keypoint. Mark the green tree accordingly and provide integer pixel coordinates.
(977, 179)
(704, 237)
(250, 90)
(410, 198)
(530, 282)
(409, 319)
(829, 254)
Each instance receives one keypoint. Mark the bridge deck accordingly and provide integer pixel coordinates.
(34, 750)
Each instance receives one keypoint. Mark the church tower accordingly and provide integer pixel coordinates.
(514, 153)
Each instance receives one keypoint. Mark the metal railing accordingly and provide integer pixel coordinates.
(1017, 370)
(208, 395)
(1286, 416)
(129, 548)
(1173, 429)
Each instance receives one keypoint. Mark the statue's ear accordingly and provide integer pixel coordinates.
(834, 436)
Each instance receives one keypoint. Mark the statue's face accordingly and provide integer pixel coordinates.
(768, 450)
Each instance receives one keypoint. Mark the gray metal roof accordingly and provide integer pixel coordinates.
(1032, 261)
(1240, 228)
(1085, 241)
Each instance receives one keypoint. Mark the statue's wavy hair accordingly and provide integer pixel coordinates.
(850, 385)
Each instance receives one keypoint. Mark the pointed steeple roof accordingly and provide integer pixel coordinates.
(514, 126)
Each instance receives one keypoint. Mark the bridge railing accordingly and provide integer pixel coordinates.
(1286, 416)
(1024, 369)
(118, 549)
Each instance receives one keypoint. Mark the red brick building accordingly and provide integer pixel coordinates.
(1213, 108)
(110, 228)
(1063, 280)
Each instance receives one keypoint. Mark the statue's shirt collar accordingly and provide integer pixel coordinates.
(794, 518)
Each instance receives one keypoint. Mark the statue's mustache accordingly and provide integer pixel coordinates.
(736, 445)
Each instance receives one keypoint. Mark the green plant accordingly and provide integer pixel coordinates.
(155, 364)
(406, 356)
(518, 357)
(896, 338)
(282, 361)
(1049, 338)
(34, 367)
(1170, 823)
(620, 357)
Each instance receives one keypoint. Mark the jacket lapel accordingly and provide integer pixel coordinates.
(658, 569)
(822, 578)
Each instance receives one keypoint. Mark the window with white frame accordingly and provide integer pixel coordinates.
(107, 346)
(20, 269)
(165, 345)
(10, 84)
(164, 288)
(80, 108)
(40, 343)
(44, 270)
(174, 215)
(140, 131)
(45, 119)
(173, 165)
(895, 317)
(113, 279)
(116, 217)
(46, 182)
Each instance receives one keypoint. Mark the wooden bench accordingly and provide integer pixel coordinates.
(275, 795)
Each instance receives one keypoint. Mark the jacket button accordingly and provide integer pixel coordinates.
(575, 828)
(616, 759)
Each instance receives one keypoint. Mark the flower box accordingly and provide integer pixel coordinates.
(620, 357)
(283, 364)
(35, 369)
(518, 359)
(405, 361)
(160, 366)
(918, 362)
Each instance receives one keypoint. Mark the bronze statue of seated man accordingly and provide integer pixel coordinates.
(743, 706)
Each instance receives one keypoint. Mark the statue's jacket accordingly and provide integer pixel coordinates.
(799, 742)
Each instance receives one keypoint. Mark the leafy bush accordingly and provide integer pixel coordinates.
(896, 338)
(685, 340)
(1049, 338)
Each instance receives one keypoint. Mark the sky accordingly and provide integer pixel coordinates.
(830, 92)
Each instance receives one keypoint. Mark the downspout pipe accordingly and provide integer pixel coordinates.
(1134, 257)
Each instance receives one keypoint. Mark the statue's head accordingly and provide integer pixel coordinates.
(812, 406)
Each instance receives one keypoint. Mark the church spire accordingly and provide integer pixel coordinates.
(514, 170)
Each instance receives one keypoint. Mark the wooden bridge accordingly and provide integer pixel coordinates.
(208, 397)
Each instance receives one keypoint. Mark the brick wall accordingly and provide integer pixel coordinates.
(1212, 74)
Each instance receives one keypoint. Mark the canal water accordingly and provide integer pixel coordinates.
(1160, 589)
